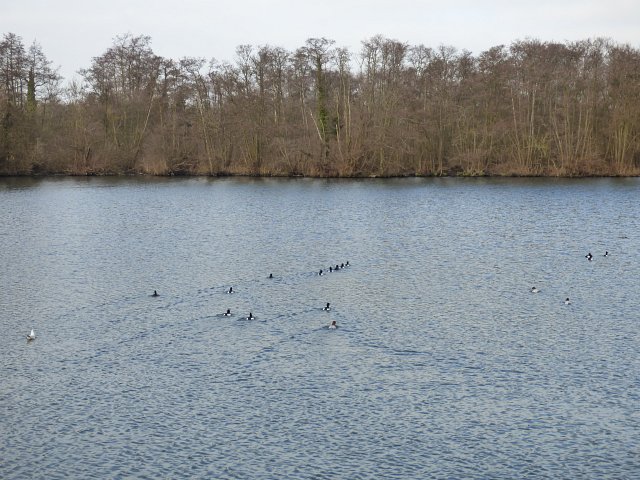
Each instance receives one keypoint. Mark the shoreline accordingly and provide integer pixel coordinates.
(299, 176)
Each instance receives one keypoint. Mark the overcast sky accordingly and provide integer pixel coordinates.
(72, 32)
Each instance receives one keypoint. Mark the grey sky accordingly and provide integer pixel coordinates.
(71, 32)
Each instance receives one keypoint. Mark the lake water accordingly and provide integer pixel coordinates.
(444, 365)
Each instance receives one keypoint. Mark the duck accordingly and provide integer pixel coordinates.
(588, 256)
(227, 313)
(606, 253)
(31, 336)
(333, 325)
(534, 290)
(327, 308)
(155, 294)
(251, 317)
(347, 264)
(567, 301)
(271, 275)
(330, 269)
(230, 290)
(320, 272)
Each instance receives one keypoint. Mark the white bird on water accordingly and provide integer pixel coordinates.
(31, 336)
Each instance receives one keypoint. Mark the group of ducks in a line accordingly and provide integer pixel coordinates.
(567, 301)
(336, 268)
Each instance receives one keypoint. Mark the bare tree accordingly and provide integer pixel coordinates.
(318, 52)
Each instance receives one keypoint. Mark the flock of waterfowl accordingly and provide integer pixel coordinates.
(567, 300)
(326, 308)
(334, 269)
(32, 336)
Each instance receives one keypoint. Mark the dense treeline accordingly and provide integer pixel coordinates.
(532, 108)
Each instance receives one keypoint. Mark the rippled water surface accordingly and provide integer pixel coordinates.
(444, 364)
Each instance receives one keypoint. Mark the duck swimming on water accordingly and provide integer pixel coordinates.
(327, 308)
(333, 325)
(534, 290)
(227, 313)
